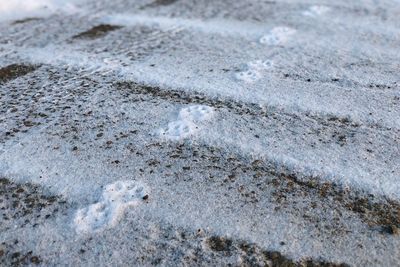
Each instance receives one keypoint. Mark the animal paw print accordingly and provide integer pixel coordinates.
(196, 113)
(254, 71)
(261, 65)
(93, 218)
(124, 193)
(188, 122)
(248, 76)
(179, 129)
(277, 36)
(116, 198)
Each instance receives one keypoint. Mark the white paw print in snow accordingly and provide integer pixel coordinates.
(316, 11)
(127, 193)
(93, 218)
(248, 76)
(196, 113)
(106, 213)
(261, 65)
(277, 36)
(254, 71)
(178, 130)
(187, 123)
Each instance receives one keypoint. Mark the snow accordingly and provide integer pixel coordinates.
(162, 123)
(19, 9)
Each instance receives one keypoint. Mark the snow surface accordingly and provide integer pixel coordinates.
(20, 9)
(228, 113)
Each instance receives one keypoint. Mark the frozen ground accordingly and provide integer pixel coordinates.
(184, 133)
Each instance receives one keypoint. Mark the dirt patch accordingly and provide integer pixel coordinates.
(219, 243)
(26, 204)
(157, 3)
(283, 187)
(164, 2)
(176, 246)
(10, 255)
(97, 31)
(253, 255)
(379, 213)
(22, 21)
(383, 216)
(14, 71)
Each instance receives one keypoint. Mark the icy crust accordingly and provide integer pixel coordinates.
(117, 197)
(188, 123)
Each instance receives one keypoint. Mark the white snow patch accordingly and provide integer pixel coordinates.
(17, 9)
(188, 122)
(277, 36)
(106, 213)
(315, 11)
